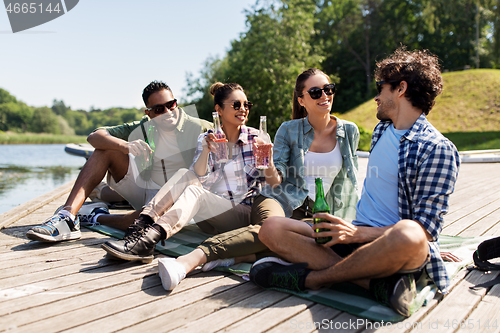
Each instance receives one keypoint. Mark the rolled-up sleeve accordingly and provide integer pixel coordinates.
(435, 182)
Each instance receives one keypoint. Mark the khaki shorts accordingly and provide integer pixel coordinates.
(133, 188)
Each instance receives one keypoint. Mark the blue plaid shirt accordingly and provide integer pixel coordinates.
(249, 179)
(428, 168)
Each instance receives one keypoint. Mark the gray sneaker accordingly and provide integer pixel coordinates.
(55, 229)
(396, 291)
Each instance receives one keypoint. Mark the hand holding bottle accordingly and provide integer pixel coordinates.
(210, 141)
(139, 148)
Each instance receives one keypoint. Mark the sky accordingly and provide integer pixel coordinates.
(102, 53)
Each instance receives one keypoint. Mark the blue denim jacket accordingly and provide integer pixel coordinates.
(291, 143)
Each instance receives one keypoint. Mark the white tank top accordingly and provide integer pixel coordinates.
(321, 165)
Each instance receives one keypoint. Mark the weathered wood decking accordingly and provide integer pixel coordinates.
(72, 286)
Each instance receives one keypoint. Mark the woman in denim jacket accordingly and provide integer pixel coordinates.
(313, 145)
(313, 131)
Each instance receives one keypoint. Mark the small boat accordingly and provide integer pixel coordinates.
(79, 149)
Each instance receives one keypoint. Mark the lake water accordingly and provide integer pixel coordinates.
(28, 171)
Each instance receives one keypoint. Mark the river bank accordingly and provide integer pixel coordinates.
(39, 138)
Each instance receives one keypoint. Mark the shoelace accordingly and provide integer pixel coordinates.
(51, 221)
(288, 280)
(135, 235)
(132, 229)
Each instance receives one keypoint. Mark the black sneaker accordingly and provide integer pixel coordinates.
(139, 245)
(280, 276)
(396, 291)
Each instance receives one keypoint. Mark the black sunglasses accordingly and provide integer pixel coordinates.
(237, 105)
(380, 83)
(316, 92)
(161, 108)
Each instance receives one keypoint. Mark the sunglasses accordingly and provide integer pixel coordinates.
(237, 105)
(161, 108)
(316, 92)
(380, 83)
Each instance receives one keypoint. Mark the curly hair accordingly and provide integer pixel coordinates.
(153, 87)
(420, 70)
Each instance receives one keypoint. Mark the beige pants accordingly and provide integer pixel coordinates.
(183, 198)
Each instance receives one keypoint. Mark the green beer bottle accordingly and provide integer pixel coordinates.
(320, 206)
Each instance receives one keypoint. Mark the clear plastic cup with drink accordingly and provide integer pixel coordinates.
(263, 146)
(262, 152)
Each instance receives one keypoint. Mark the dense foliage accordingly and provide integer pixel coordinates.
(344, 38)
(18, 117)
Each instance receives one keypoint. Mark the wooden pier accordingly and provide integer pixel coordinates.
(73, 287)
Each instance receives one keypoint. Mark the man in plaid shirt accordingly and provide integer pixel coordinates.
(412, 171)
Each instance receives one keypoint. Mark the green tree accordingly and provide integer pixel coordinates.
(5, 97)
(44, 121)
(59, 108)
(64, 127)
(15, 116)
(266, 60)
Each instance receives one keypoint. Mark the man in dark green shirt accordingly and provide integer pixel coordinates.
(164, 140)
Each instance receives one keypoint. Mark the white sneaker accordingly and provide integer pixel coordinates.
(171, 273)
(217, 263)
(55, 229)
(272, 259)
(87, 213)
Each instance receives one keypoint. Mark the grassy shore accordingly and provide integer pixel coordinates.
(463, 140)
(474, 140)
(39, 138)
(467, 112)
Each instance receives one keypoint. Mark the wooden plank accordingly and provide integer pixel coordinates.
(93, 273)
(465, 222)
(346, 323)
(494, 231)
(458, 305)
(465, 192)
(91, 262)
(310, 320)
(101, 284)
(485, 317)
(232, 314)
(50, 263)
(271, 316)
(29, 207)
(484, 224)
(84, 314)
(464, 210)
(123, 312)
(40, 248)
(199, 310)
(61, 254)
(39, 313)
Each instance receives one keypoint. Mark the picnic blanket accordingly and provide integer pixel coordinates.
(344, 296)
